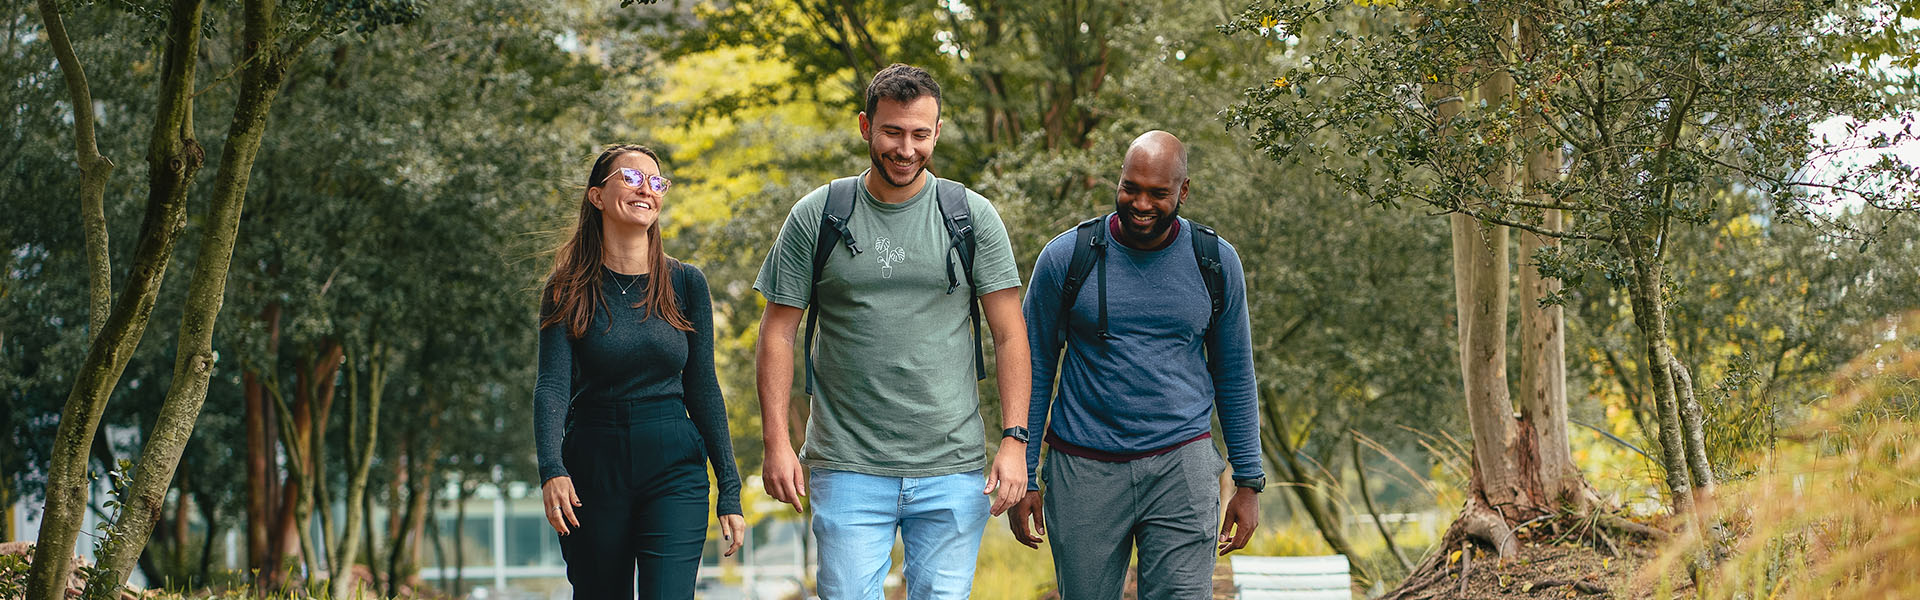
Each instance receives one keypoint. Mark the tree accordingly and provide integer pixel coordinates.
(272, 42)
(1657, 103)
(174, 158)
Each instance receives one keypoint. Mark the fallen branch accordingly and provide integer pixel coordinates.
(1618, 523)
(1582, 585)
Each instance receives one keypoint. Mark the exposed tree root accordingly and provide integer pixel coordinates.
(1477, 525)
(1480, 527)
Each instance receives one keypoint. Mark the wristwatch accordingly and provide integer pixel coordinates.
(1257, 484)
(1018, 433)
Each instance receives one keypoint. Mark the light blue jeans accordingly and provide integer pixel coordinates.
(941, 520)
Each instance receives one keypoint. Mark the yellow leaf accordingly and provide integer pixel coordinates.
(1604, 562)
(1280, 82)
(1269, 21)
(1453, 557)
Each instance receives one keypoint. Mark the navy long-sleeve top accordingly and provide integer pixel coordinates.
(631, 358)
(1159, 382)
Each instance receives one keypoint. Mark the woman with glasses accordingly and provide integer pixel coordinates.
(627, 409)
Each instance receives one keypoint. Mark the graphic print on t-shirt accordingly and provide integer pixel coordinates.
(888, 253)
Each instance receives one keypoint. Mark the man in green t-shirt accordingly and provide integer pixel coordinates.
(895, 441)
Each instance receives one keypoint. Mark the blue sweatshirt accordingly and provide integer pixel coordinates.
(1161, 381)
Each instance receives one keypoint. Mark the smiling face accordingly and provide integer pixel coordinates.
(1152, 186)
(624, 204)
(900, 138)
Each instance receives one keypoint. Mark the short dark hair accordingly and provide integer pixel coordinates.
(900, 83)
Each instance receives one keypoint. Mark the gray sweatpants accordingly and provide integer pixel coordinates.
(1167, 505)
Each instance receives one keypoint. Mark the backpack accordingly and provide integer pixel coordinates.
(954, 213)
(1090, 247)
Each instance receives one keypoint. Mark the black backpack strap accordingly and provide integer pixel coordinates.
(1088, 246)
(833, 230)
(1206, 250)
(958, 218)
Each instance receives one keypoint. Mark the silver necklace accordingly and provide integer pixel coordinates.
(628, 286)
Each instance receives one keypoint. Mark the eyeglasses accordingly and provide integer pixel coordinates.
(634, 177)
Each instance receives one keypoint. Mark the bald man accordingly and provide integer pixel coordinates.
(1149, 362)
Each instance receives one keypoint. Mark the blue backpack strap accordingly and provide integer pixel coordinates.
(833, 230)
(957, 216)
(1206, 250)
(1088, 246)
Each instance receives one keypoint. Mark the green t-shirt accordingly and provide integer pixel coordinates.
(894, 378)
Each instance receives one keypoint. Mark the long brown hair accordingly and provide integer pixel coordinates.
(574, 288)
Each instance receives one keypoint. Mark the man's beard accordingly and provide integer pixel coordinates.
(880, 166)
(1158, 228)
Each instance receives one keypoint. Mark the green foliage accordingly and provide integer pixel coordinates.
(1765, 311)
(1660, 104)
(365, 16)
(13, 575)
(392, 199)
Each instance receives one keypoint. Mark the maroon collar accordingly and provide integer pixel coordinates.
(1173, 233)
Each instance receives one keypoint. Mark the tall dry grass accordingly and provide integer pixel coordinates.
(1835, 510)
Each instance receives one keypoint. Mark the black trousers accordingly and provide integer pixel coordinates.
(640, 470)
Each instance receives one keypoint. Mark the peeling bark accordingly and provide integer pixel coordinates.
(1543, 367)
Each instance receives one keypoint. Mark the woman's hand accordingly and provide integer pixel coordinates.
(558, 495)
(733, 531)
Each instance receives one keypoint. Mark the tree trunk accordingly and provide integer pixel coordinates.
(1480, 287)
(316, 380)
(1360, 471)
(260, 445)
(181, 532)
(1543, 370)
(295, 423)
(1480, 278)
(206, 544)
(1281, 452)
(194, 357)
(95, 169)
(1650, 316)
(399, 545)
(366, 531)
(1523, 467)
(420, 491)
(174, 157)
(460, 535)
(1699, 468)
(439, 543)
(7, 533)
(360, 461)
(300, 482)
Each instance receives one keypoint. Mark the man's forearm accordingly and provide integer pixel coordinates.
(1014, 371)
(1013, 365)
(773, 376)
